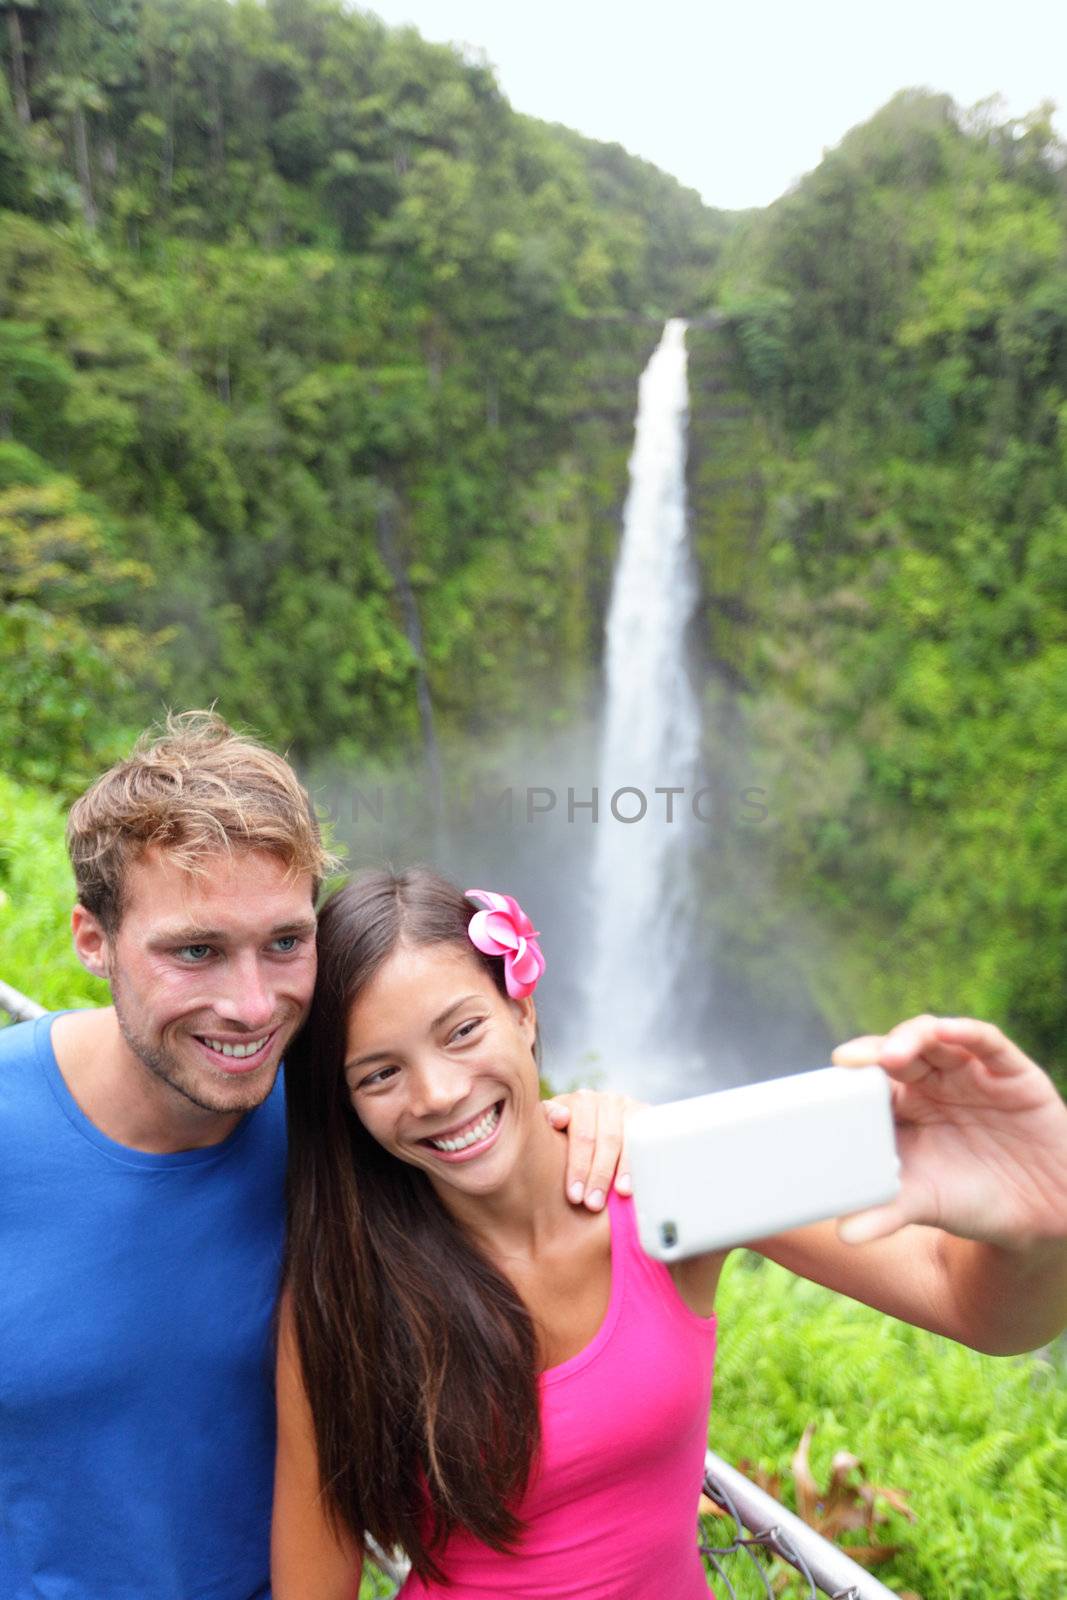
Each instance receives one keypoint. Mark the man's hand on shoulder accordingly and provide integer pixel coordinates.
(594, 1122)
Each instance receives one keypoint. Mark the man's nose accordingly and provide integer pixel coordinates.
(247, 997)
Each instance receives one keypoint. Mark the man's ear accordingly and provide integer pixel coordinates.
(91, 944)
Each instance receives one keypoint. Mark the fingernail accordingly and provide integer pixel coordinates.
(575, 1193)
(624, 1183)
(595, 1199)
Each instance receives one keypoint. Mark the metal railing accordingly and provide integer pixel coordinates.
(766, 1526)
(18, 1006)
(765, 1529)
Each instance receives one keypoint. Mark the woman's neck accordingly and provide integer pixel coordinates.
(524, 1214)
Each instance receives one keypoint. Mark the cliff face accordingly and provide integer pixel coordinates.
(768, 946)
(727, 499)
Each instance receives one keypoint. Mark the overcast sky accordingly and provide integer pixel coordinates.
(739, 99)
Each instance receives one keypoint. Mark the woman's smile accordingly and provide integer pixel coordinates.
(468, 1139)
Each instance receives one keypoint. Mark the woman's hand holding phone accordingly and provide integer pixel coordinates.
(981, 1133)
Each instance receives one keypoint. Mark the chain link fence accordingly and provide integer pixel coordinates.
(765, 1535)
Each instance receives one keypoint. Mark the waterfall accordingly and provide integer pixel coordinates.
(650, 744)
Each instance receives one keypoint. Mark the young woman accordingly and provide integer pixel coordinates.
(506, 1387)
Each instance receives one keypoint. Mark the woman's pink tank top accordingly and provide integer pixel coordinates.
(610, 1511)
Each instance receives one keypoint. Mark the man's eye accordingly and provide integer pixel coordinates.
(286, 944)
(194, 953)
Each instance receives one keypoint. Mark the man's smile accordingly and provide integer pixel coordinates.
(236, 1055)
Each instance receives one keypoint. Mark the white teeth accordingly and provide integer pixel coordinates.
(238, 1050)
(480, 1130)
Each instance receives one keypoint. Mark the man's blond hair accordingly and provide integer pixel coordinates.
(193, 788)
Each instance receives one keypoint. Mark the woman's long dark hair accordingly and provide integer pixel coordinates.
(420, 1358)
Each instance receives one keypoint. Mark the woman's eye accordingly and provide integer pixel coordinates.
(465, 1029)
(374, 1080)
(193, 953)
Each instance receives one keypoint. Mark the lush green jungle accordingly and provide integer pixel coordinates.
(318, 378)
(317, 374)
(318, 366)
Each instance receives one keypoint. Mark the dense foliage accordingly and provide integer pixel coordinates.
(36, 894)
(317, 367)
(880, 468)
(978, 1444)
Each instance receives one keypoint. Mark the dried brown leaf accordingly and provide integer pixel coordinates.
(868, 1555)
(770, 1481)
(844, 1506)
(803, 1477)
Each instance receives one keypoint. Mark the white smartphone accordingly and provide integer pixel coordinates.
(720, 1169)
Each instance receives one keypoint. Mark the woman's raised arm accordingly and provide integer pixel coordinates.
(975, 1246)
(309, 1560)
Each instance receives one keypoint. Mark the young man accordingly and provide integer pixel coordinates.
(142, 1157)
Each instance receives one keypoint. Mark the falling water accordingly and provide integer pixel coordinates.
(651, 742)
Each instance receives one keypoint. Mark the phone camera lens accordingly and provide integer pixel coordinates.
(668, 1234)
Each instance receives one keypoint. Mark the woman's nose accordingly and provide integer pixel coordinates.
(438, 1086)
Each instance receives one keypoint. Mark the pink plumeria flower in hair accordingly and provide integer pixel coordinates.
(504, 929)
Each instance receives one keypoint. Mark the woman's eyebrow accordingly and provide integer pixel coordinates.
(382, 1055)
(437, 1021)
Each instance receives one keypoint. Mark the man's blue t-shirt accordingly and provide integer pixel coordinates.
(136, 1296)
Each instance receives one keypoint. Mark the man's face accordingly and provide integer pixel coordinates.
(211, 974)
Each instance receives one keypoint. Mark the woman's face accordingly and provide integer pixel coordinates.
(440, 1068)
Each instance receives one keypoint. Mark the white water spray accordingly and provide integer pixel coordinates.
(651, 742)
